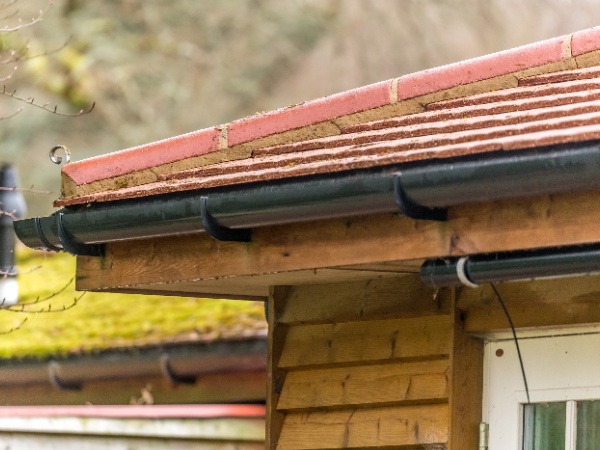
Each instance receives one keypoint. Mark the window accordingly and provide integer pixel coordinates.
(563, 373)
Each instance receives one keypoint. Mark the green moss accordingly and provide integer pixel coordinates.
(103, 321)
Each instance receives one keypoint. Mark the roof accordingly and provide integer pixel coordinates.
(540, 94)
(183, 349)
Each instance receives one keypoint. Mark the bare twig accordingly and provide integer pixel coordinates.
(44, 106)
(39, 300)
(29, 189)
(44, 310)
(33, 21)
(9, 76)
(7, 273)
(8, 214)
(16, 327)
(23, 56)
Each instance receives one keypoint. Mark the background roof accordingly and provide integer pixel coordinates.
(101, 322)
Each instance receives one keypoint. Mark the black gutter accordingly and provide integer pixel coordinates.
(426, 185)
(512, 266)
(179, 363)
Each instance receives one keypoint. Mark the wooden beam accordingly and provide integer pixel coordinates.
(276, 375)
(466, 383)
(499, 226)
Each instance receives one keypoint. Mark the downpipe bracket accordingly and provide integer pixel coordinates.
(412, 209)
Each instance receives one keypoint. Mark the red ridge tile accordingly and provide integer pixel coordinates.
(482, 68)
(585, 41)
(144, 157)
(309, 113)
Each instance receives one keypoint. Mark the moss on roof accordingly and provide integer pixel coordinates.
(102, 321)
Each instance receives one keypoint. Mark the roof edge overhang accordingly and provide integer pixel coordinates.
(420, 190)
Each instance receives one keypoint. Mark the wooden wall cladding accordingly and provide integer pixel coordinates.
(354, 377)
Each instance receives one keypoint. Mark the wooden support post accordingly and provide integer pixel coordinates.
(466, 382)
(276, 375)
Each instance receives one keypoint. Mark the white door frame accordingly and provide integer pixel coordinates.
(560, 364)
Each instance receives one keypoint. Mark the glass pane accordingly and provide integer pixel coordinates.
(588, 425)
(544, 426)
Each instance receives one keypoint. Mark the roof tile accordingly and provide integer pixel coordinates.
(308, 113)
(145, 156)
(558, 77)
(585, 41)
(478, 69)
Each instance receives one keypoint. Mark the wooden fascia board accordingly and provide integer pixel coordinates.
(514, 224)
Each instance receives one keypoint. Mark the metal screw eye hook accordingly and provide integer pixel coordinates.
(59, 159)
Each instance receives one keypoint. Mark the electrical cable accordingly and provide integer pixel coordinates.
(514, 333)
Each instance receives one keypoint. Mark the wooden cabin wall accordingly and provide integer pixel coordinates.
(376, 363)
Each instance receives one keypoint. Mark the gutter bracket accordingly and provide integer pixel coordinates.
(48, 246)
(170, 375)
(413, 210)
(75, 248)
(218, 231)
(58, 383)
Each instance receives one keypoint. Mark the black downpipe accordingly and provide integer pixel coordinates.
(430, 185)
(513, 266)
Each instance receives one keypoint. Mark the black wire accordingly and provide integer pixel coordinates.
(514, 333)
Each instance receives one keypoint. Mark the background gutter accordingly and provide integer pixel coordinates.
(182, 363)
(431, 184)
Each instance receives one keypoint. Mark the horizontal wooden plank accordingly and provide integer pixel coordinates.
(374, 340)
(363, 428)
(402, 382)
(582, 289)
(375, 298)
(561, 301)
(483, 320)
